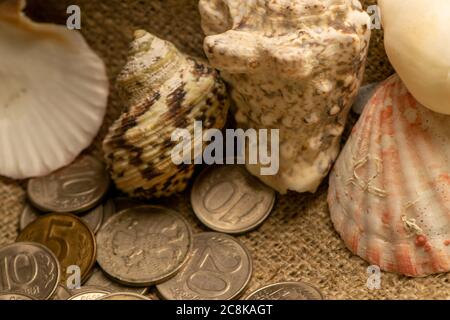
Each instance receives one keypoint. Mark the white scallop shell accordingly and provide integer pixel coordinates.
(53, 94)
(389, 191)
(417, 41)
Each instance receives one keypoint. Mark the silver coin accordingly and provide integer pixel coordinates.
(144, 245)
(99, 279)
(219, 269)
(73, 189)
(287, 291)
(29, 214)
(61, 293)
(93, 218)
(30, 269)
(89, 293)
(14, 296)
(229, 199)
(124, 296)
(122, 203)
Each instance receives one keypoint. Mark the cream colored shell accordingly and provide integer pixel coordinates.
(53, 94)
(417, 41)
(295, 66)
(163, 90)
(389, 191)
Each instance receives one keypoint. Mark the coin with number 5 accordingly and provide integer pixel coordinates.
(68, 237)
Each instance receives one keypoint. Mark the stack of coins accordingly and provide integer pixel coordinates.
(137, 246)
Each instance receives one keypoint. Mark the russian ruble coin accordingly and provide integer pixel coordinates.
(229, 199)
(61, 293)
(287, 291)
(14, 296)
(89, 293)
(99, 279)
(68, 237)
(220, 268)
(29, 269)
(73, 189)
(109, 209)
(144, 245)
(93, 217)
(124, 296)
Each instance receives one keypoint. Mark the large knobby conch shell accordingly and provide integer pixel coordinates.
(163, 90)
(53, 94)
(417, 41)
(295, 66)
(389, 191)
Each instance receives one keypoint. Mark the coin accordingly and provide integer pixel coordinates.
(219, 269)
(28, 269)
(89, 293)
(61, 293)
(99, 279)
(229, 199)
(68, 237)
(287, 291)
(14, 296)
(93, 218)
(124, 296)
(144, 245)
(73, 189)
(29, 214)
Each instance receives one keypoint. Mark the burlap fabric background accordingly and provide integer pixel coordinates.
(298, 241)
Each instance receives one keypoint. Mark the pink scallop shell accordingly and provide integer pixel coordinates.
(389, 193)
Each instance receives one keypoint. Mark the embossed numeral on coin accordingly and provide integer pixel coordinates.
(21, 270)
(210, 278)
(79, 184)
(234, 206)
(53, 236)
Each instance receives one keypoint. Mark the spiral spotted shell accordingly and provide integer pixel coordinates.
(163, 90)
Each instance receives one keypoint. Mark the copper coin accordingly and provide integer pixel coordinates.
(89, 293)
(68, 237)
(219, 269)
(93, 217)
(28, 269)
(287, 291)
(73, 189)
(229, 199)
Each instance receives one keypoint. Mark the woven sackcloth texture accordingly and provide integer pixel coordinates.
(298, 241)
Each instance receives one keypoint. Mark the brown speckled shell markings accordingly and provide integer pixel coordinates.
(161, 93)
(294, 66)
(389, 193)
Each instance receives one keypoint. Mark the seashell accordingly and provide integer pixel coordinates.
(294, 66)
(389, 193)
(417, 38)
(163, 90)
(53, 94)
